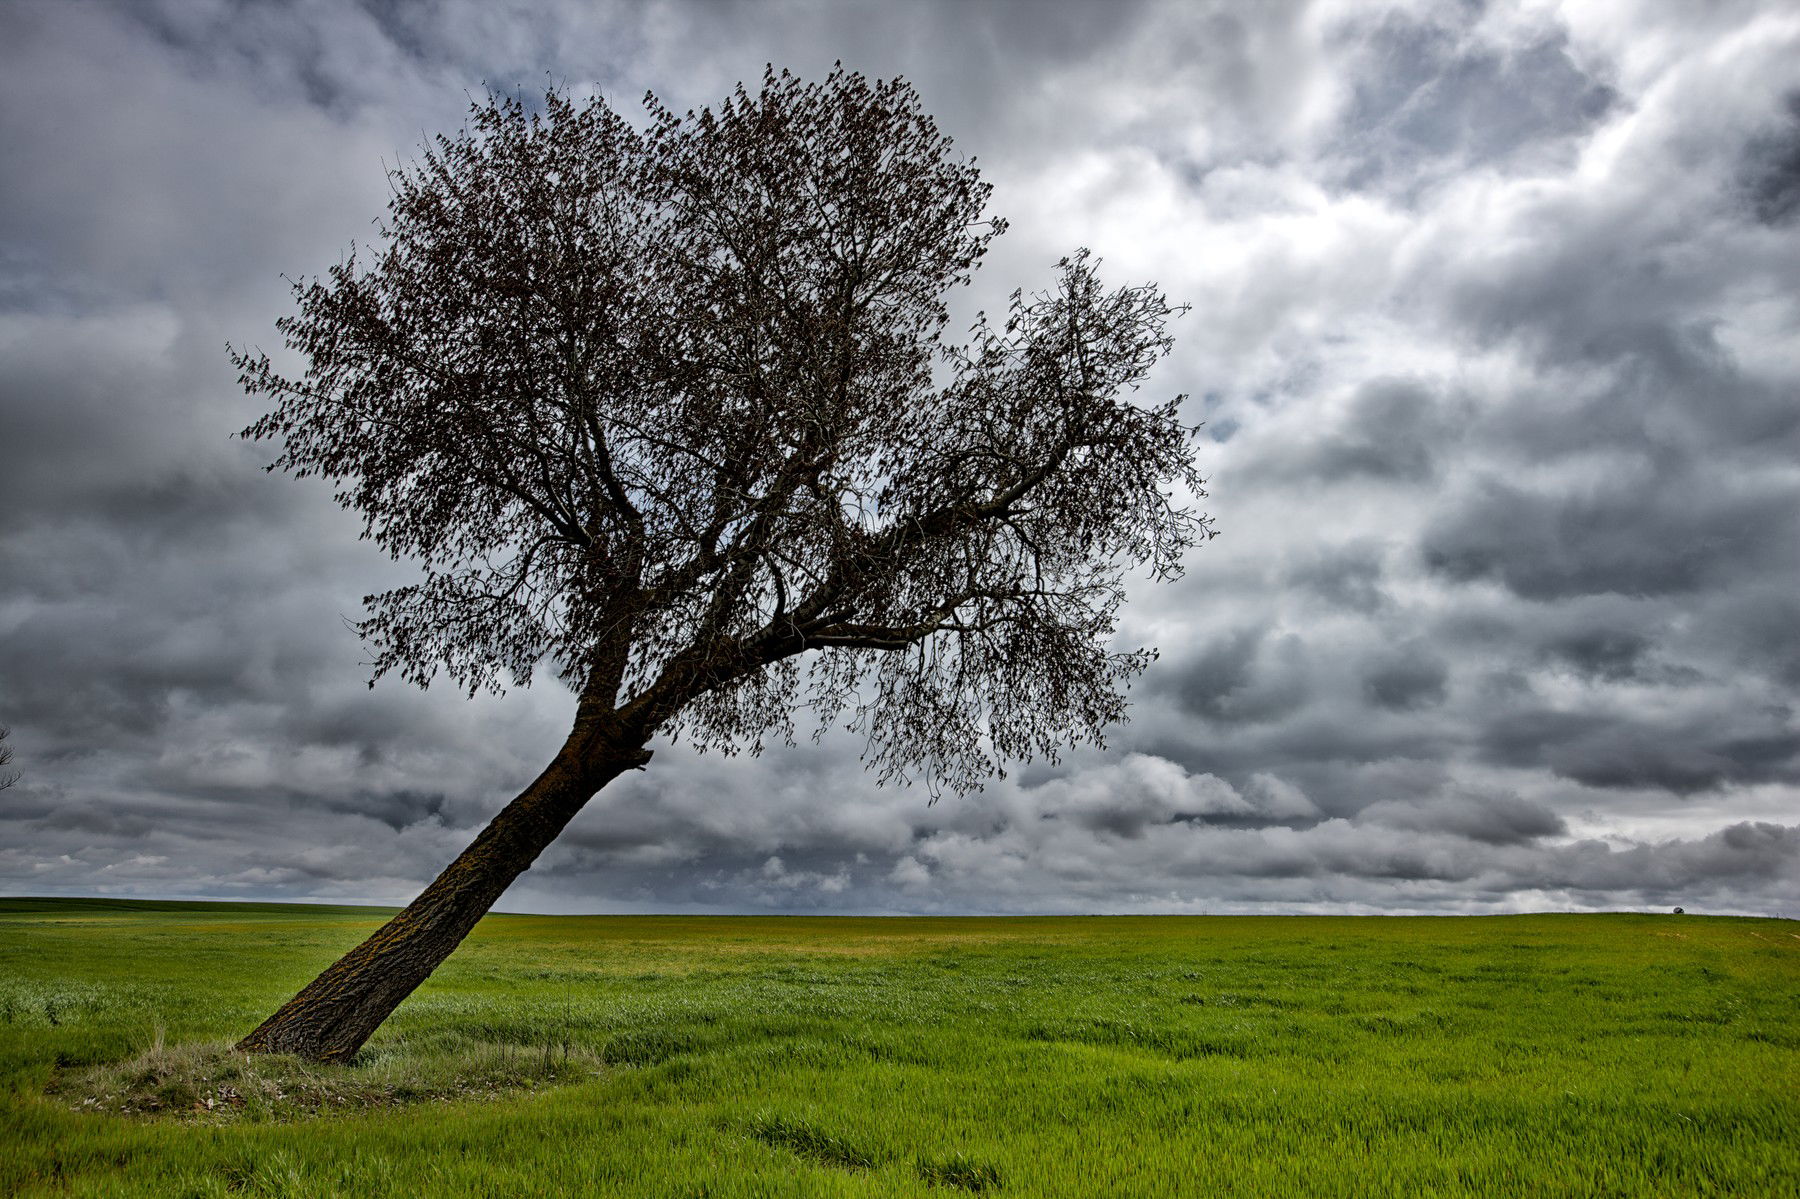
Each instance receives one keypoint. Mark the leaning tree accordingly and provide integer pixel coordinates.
(668, 405)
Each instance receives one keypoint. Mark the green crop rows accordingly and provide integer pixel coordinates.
(678, 1057)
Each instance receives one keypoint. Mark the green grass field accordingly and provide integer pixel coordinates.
(1616, 1055)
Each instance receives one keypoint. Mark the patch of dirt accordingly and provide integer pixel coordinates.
(214, 1083)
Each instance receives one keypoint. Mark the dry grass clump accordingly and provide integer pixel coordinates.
(213, 1083)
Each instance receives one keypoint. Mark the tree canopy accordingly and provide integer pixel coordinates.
(671, 404)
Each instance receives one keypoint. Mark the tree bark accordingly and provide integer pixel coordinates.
(333, 1015)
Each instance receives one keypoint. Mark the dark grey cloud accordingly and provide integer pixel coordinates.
(1430, 99)
(1497, 819)
(1241, 677)
(1770, 171)
(1493, 329)
(1390, 430)
(1598, 651)
(1752, 631)
(1695, 751)
(1406, 677)
(1629, 532)
(1343, 577)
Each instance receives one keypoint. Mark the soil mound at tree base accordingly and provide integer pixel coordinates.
(211, 1082)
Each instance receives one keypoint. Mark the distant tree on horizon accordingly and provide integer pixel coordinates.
(671, 408)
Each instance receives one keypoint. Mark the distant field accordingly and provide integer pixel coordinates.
(1504, 1056)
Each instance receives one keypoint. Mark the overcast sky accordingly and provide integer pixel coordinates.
(1495, 329)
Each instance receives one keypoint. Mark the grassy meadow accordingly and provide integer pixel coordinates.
(677, 1057)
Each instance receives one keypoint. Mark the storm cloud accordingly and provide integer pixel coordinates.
(1494, 347)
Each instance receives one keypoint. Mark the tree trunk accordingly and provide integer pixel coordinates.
(334, 1014)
